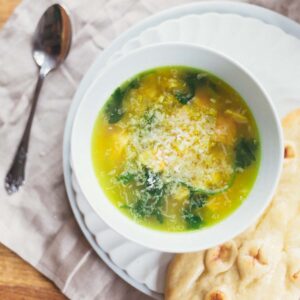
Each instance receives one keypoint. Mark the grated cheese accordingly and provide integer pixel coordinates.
(180, 144)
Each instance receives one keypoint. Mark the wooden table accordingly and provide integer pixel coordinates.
(18, 280)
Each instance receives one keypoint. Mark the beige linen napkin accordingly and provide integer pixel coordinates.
(37, 222)
(290, 8)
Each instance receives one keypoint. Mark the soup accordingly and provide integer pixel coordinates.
(176, 149)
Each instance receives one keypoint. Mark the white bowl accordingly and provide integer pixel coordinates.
(197, 57)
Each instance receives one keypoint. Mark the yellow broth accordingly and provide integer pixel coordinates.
(176, 149)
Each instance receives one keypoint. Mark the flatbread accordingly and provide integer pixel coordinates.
(264, 262)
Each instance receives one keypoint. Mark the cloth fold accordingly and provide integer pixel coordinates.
(37, 222)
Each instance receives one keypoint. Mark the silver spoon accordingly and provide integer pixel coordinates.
(51, 45)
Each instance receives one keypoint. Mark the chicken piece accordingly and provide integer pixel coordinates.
(225, 130)
(181, 194)
(119, 142)
(237, 117)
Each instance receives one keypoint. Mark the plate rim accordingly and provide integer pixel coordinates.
(222, 7)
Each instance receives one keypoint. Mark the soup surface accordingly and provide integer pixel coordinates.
(176, 149)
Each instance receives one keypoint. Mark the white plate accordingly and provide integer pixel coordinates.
(271, 55)
(266, 52)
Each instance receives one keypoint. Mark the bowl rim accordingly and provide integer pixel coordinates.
(169, 247)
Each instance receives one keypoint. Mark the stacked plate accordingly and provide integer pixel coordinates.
(271, 53)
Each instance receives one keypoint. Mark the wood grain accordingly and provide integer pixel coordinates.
(6, 9)
(18, 280)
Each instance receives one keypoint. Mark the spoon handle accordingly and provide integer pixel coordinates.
(16, 174)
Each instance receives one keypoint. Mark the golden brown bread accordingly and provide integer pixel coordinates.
(264, 262)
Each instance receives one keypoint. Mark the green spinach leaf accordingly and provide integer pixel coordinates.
(114, 106)
(245, 153)
(192, 220)
(152, 192)
(192, 81)
(126, 177)
(185, 96)
(197, 200)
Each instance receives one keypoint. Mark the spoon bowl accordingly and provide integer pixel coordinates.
(52, 38)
